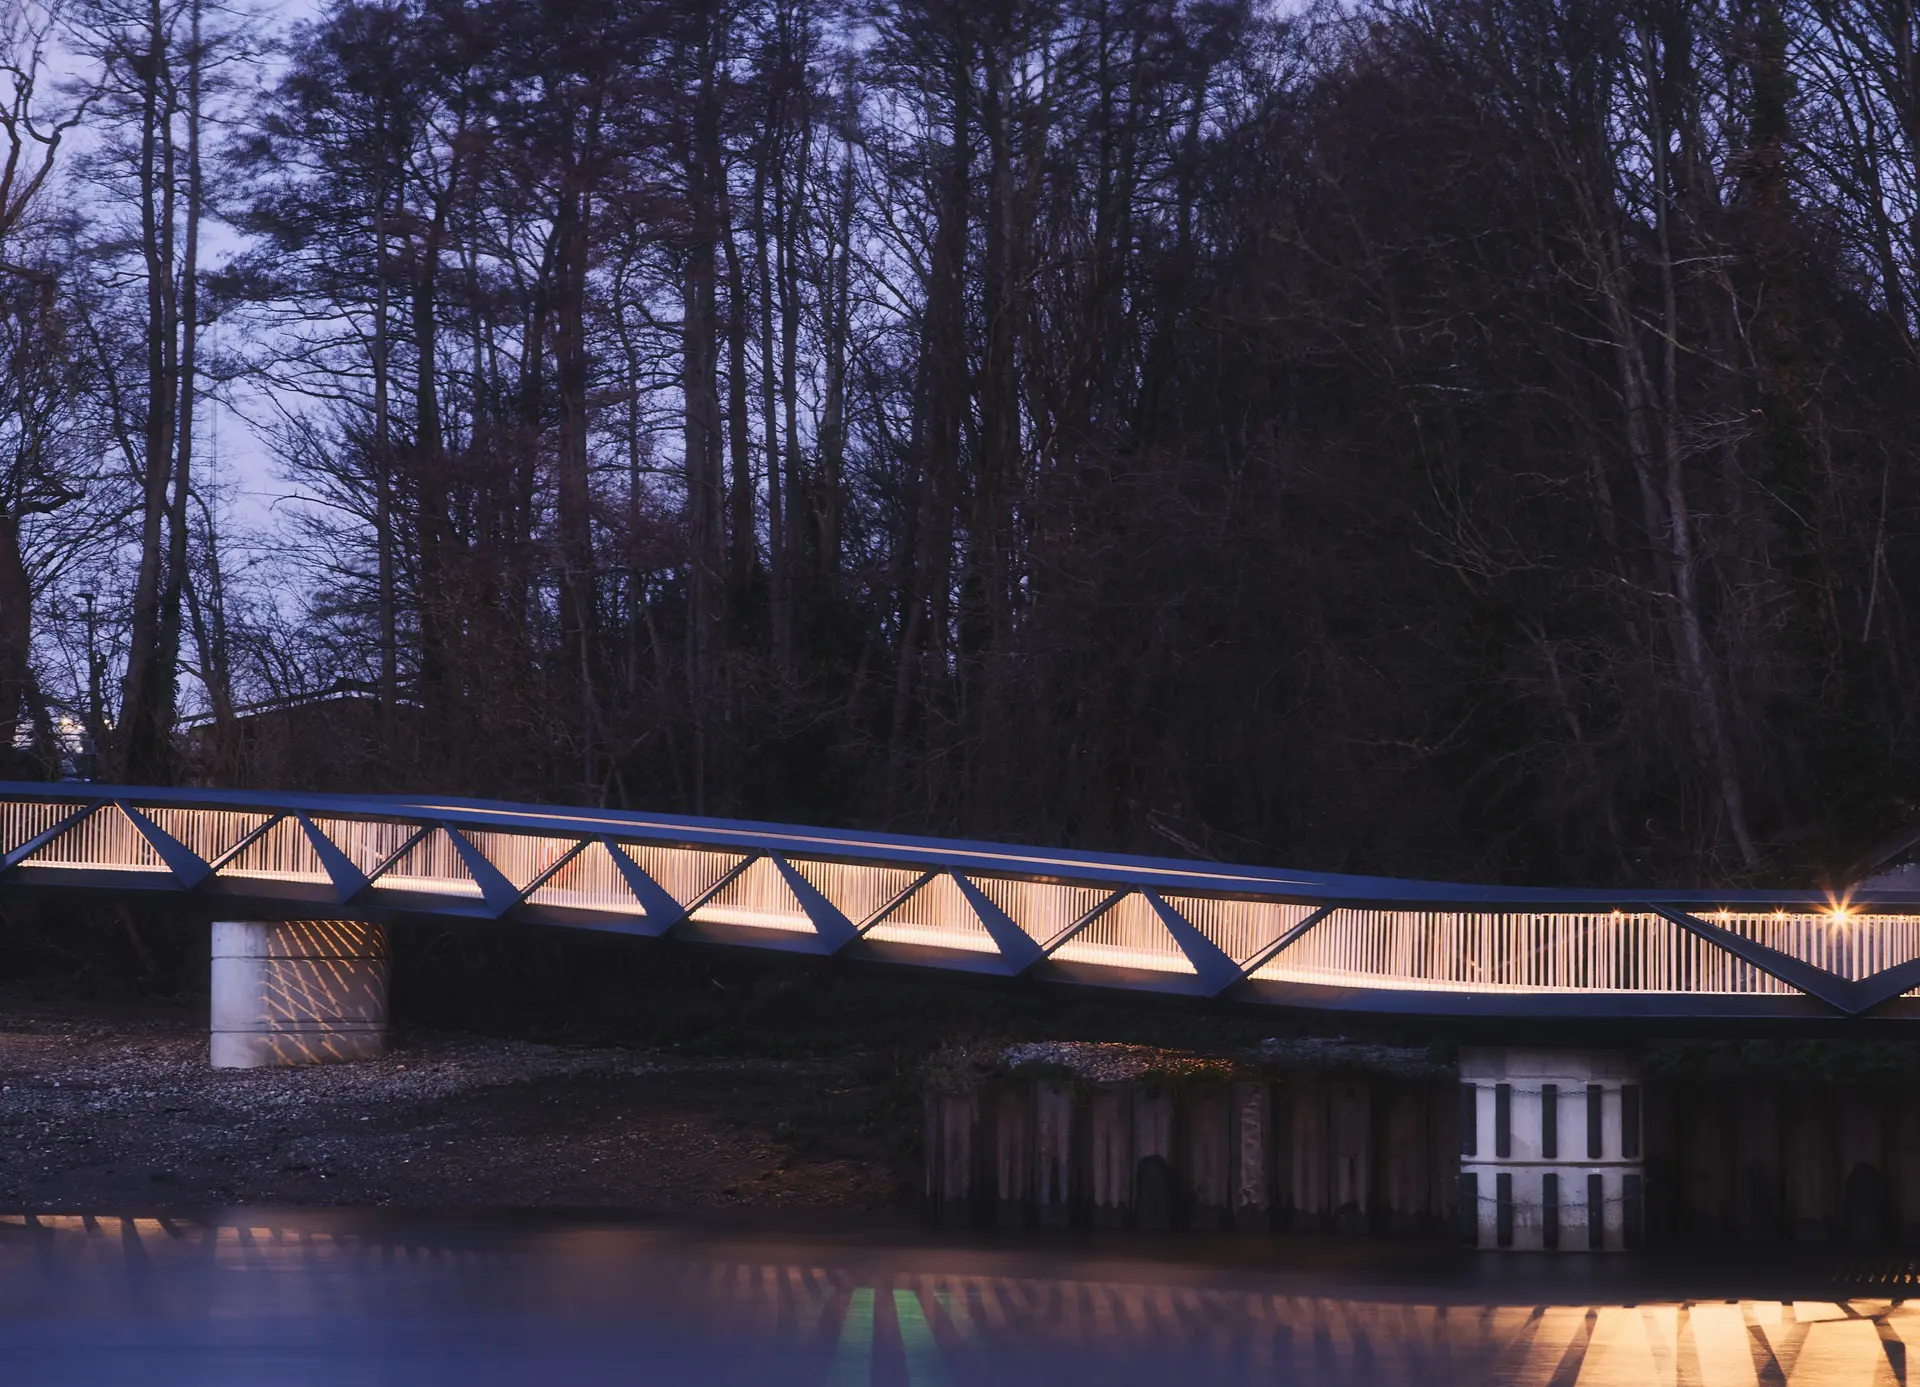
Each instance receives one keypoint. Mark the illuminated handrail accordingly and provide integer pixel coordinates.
(1361, 943)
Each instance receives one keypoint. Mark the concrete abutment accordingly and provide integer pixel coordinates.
(287, 992)
(1552, 1150)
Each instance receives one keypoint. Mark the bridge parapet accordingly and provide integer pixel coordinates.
(1357, 944)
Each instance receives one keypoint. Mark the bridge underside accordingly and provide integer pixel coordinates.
(1331, 943)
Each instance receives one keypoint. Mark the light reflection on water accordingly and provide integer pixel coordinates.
(269, 1298)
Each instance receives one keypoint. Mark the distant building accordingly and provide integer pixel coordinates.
(333, 740)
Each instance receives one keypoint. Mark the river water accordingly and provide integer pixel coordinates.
(268, 1298)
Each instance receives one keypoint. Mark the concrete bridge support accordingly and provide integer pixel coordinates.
(297, 992)
(1551, 1149)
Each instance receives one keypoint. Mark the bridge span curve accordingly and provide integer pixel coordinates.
(1259, 935)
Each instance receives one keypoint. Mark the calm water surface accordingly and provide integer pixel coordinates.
(262, 1297)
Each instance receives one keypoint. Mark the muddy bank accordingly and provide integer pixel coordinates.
(116, 1107)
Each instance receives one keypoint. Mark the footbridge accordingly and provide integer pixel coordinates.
(1259, 935)
(300, 891)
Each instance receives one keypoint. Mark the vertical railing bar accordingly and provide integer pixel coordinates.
(1298, 931)
(898, 899)
(393, 858)
(579, 847)
(71, 821)
(1066, 935)
(185, 865)
(726, 880)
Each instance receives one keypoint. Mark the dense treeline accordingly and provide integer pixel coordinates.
(1472, 437)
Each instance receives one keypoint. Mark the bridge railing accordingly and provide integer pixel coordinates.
(1613, 951)
(1096, 925)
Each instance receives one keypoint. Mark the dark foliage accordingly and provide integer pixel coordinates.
(1452, 437)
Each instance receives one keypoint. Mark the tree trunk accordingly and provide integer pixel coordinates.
(16, 644)
(141, 748)
(209, 622)
(700, 387)
(188, 333)
(944, 395)
(780, 577)
(742, 551)
(838, 325)
(793, 224)
(387, 616)
(570, 378)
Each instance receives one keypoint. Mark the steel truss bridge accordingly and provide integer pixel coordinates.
(1330, 942)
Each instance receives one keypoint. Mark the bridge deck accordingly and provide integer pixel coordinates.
(1364, 944)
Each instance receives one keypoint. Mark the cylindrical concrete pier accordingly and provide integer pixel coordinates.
(1552, 1155)
(297, 992)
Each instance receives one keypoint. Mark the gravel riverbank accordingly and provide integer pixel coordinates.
(117, 1108)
